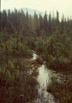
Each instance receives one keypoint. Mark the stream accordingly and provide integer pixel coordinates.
(44, 80)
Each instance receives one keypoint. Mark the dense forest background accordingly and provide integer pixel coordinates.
(50, 37)
(25, 24)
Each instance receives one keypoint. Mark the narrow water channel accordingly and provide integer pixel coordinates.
(44, 80)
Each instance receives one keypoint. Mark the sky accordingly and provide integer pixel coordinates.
(63, 6)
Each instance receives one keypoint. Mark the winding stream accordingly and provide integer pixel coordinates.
(34, 56)
(44, 80)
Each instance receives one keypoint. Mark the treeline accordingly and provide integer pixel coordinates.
(18, 22)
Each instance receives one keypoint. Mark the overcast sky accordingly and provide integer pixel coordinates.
(63, 6)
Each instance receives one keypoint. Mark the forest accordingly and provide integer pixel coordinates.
(50, 36)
